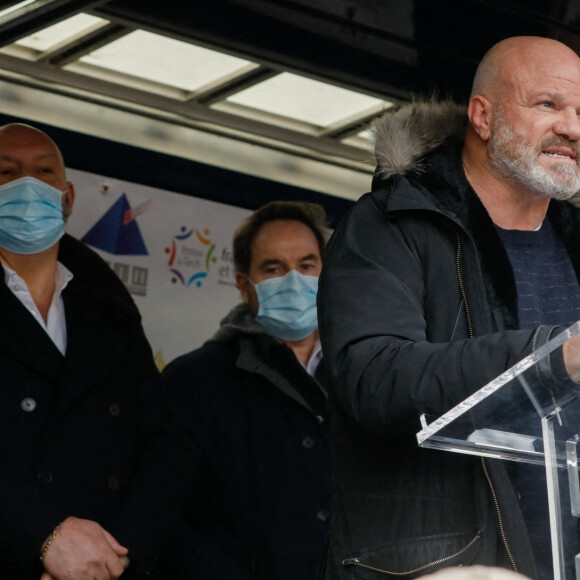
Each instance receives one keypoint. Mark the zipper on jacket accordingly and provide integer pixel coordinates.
(462, 288)
(357, 562)
(484, 466)
(499, 517)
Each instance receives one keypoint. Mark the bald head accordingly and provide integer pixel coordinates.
(28, 152)
(524, 131)
(21, 135)
(513, 58)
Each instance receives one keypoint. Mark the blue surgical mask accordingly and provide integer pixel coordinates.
(287, 305)
(31, 219)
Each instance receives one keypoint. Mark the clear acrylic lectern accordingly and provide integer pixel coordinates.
(530, 414)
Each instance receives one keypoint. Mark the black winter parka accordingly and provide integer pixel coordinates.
(417, 310)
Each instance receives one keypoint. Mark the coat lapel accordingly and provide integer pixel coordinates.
(94, 343)
(24, 340)
(276, 363)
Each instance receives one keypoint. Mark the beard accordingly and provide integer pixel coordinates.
(518, 160)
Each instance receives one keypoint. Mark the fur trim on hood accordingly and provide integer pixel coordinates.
(404, 135)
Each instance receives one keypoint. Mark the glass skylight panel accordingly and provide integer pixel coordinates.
(305, 100)
(16, 7)
(165, 60)
(48, 37)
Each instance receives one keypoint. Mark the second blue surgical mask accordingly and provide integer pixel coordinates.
(31, 219)
(287, 305)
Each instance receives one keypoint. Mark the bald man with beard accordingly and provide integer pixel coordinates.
(92, 476)
(463, 259)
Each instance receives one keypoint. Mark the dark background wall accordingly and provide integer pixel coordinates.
(139, 165)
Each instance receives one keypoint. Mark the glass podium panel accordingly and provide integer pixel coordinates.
(529, 415)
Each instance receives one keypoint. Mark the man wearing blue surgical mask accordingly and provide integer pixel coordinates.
(87, 442)
(281, 283)
(35, 201)
(254, 401)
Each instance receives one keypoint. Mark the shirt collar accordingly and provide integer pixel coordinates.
(62, 277)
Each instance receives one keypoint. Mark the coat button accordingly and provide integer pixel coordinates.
(308, 442)
(44, 477)
(323, 515)
(28, 404)
(114, 410)
(113, 483)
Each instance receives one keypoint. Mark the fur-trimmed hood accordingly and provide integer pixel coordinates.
(405, 135)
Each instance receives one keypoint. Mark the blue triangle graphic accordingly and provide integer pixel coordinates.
(111, 233)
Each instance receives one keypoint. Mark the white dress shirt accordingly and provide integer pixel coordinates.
(55, 325)
(314, 360)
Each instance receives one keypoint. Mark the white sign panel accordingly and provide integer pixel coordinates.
(173, 252)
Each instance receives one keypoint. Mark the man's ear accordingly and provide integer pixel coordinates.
(479, 113)
(242, 283)
(68, 200)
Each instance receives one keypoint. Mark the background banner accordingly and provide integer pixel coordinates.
(172, 251)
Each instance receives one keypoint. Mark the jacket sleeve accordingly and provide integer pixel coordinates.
(388, 307)
(207, 547)
(25, 522)
(165, 466)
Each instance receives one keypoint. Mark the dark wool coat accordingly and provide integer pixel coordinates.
(86, 434)
(258, 420)
(398, 343)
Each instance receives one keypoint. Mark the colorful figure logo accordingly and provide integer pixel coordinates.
(117, 231)
(185, 255)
